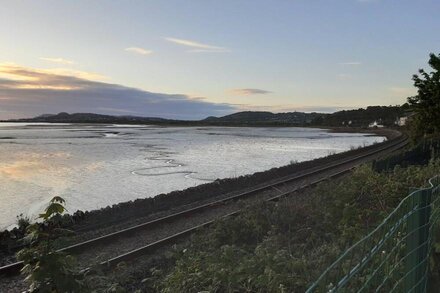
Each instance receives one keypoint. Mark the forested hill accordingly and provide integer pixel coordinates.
(255, 118)
(64, 117)
(386, 115)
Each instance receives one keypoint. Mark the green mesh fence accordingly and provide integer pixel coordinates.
(394, 257)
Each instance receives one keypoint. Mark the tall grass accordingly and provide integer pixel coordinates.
(284, 246)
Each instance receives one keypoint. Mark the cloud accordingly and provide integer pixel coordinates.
(57, 60)
(197, 47)
(352, 63)
(138, 50)
(7, 72)
(248, 92)
(77, 73)
(27, 92)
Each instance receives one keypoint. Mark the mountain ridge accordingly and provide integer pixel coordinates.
(361, 117)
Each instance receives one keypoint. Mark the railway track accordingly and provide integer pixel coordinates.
(143, 244)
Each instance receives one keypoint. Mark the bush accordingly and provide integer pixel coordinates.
(284, 246)
(45, 269)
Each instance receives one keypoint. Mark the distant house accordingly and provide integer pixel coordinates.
(402, 121)
(375, 124)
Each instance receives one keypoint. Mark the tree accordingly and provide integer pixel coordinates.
(426, 104)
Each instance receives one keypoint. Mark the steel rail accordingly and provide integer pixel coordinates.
(394, 144)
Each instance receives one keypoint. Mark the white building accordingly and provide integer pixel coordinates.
(402, 121)
(375, 125)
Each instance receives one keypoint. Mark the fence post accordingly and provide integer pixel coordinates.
(424, 240)
(417, 242)
(412, 240)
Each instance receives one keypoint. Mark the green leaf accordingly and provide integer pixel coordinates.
(53, 209)
(58, 199)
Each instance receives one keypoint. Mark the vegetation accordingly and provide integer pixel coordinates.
(46, 269)
(282, 247)
(52, 271)
(23, 222)
(256, 118)
(385, 115)
(420, 154)
(426, 103)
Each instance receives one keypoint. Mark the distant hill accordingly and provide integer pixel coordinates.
(251, 118)
(386, 115)
(64, 117)
(247, 118)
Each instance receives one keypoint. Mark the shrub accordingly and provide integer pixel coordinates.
(284, 246)
(46, 269)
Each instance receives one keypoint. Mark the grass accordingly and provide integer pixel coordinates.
(284, 246)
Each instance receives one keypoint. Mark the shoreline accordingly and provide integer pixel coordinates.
(387, 133)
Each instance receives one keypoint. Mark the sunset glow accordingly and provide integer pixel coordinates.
(209, 59)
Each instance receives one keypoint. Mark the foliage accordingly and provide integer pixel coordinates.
(420, 154)
(386, 115)
(45, 269)
(426, 103)
(282, 247)
(23, 222)
(49, 270)
(95, 281)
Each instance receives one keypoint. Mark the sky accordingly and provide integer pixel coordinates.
(199, 58)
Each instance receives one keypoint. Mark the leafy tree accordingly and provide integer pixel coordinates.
(426, 103)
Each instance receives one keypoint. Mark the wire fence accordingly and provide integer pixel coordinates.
(394, 257)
